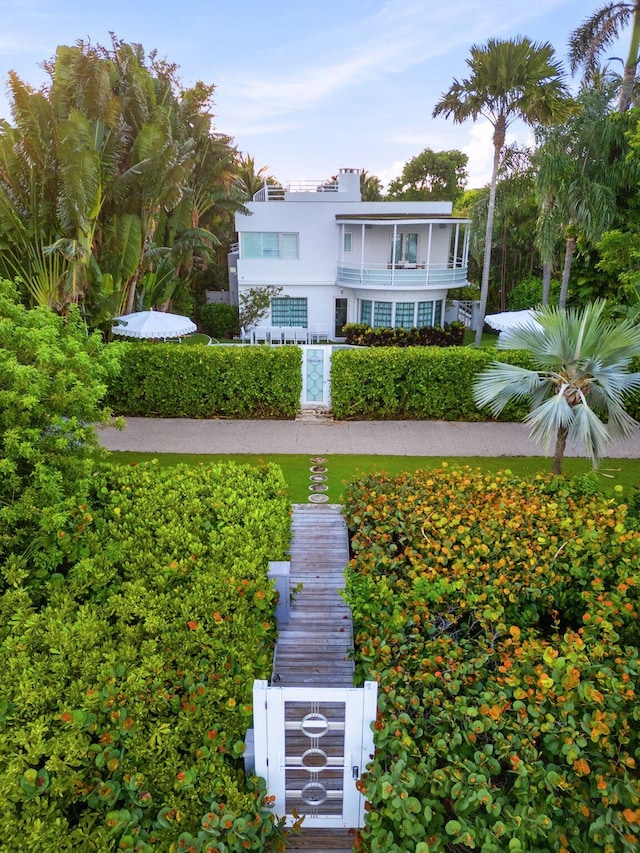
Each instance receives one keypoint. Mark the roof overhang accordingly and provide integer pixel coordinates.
(399, 219)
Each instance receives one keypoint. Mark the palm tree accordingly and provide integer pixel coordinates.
(580, 169)
(587, 43)
(249, 180)
(514, 79)
(578, 383)
(370, 187)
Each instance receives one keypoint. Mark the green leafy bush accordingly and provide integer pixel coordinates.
(53, 376)
(170, 380)
(424, 383)
(220, 320)
(500, 618)
(126, 694)
(527, 293)
(360, 334)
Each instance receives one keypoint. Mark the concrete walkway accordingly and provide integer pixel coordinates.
(396, 438)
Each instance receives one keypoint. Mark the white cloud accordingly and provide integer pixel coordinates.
(479, 149)
(400, 35)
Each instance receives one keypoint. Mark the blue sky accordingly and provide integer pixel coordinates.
(310, 86)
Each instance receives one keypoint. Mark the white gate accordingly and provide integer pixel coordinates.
(316, 369)
(311, 746)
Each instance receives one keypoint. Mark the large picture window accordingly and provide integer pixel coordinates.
(269, 244)
(404, 315)
(425, 314)
(382, 315)
(289, 311)
(365, 311)
(430, 313)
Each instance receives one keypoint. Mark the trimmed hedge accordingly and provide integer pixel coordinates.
(500, 618)
(360, 334)
(431, 383)
(175, 381)
(220, 320)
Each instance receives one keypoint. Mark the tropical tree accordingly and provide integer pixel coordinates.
(580, 170)
(431, 175)
(513, 255)
(599, 31)
(578, 382)
(110, 170)
(249, 179)
(509, 80)
(370, 187)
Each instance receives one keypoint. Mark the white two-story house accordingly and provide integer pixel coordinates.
(339, 259)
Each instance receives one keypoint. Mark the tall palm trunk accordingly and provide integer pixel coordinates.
(498, 144)
(546, 282)
(566, 271)
(629, 74)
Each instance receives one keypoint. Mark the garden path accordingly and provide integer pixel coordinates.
(314, 647)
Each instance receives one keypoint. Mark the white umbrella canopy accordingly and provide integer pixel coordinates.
(513, 320)
(153, 324)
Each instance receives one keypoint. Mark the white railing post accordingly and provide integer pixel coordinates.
(279, 571)
(261, 729)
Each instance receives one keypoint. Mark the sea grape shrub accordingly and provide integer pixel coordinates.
(500, 618)
(127, 695)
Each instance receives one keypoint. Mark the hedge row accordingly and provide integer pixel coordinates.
(500, 618)
(170, 380)
(433, 383)
(127, 671)
(360, 334)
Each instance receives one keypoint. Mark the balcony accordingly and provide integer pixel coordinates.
(402, 276)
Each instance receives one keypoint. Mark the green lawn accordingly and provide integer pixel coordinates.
(614, 473)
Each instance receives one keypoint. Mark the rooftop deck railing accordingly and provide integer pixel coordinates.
(271, 192)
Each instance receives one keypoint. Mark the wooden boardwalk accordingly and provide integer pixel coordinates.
(315, 647)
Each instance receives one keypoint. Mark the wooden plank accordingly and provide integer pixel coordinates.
(315, 646)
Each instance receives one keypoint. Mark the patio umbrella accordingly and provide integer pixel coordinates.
(513, 319)
(153, 324)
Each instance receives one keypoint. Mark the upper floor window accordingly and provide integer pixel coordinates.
(269, 244)
(405, 248)
(347, 241)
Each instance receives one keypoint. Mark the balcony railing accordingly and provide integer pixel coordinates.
(401, 275)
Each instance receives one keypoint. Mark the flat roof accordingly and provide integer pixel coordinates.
(399, 217)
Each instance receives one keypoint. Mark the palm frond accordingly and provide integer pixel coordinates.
(546, 419)
(502, 383)
(589, 40)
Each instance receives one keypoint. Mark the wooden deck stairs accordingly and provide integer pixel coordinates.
(315, 647)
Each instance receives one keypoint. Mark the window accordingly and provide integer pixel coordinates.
(289, 311)
(430, 313)
(340, 317)
(404, 315)
(269, 244)
(425, 314)
(365, 311)
(382, 315)
(347, 241)
(406, 249)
